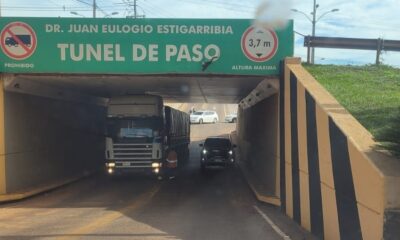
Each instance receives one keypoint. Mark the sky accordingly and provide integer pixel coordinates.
(355, 18)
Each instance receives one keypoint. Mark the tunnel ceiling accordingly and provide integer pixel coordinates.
(174, 88)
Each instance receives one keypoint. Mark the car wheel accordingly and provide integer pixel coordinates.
(215, 120)
(234, 120)
(201, 121)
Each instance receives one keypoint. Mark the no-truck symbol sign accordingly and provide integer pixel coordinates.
(18, 40)
(259, 44)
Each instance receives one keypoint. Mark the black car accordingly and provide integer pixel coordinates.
(217, 151)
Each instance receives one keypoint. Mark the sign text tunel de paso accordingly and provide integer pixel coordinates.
(137, 53)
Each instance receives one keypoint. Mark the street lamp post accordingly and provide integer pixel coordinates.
(313, 21)
(94, 8)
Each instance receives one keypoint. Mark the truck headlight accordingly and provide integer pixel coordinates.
(155, 165)
(204, 151)
(111, 164)
(230, 152)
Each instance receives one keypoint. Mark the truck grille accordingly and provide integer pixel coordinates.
(133, 154)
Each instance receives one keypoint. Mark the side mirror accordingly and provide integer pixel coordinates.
(201, 145)
(234, 146)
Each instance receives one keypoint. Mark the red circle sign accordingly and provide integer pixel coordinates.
(259, 44)
(18, 40)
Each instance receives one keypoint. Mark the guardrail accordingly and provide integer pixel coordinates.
(378, 45)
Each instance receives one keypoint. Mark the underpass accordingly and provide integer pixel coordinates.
(63, 87)
(299, 150)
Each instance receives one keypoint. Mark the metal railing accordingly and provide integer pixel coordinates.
(378, 45)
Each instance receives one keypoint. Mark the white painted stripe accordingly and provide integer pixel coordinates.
(272, 224)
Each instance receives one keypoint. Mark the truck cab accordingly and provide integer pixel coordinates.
(140, 133)
(135, 129)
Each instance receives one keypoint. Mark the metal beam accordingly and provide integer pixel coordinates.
(352, 43)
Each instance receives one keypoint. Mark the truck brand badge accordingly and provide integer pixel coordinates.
(259, 44)
(18, 40)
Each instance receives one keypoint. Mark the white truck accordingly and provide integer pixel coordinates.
(140, 133)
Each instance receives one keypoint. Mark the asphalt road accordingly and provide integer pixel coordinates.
(215, 205)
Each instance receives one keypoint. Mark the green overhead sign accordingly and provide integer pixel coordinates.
(142, 46)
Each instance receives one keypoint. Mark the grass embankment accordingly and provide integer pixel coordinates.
(370, 93)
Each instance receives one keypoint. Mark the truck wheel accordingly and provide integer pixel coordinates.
(201, 121)
(215, 120)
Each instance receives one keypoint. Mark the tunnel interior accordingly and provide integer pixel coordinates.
(54, 124)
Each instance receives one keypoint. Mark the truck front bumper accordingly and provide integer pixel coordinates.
(131, 166)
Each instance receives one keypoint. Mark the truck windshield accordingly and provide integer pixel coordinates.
(135, 132)
(128, 128)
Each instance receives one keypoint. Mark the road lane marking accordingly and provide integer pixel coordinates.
(272, 224)
(112, 216)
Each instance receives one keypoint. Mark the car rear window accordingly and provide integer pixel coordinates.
(218, 142)
(197, 113)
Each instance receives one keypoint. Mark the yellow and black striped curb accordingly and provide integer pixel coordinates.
(333, 182)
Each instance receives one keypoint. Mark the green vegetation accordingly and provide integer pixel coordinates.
(370, 93)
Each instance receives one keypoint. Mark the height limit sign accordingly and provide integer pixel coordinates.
(259, 44)
(18, 40)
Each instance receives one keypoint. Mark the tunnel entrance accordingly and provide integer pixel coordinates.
(68, 113)
(55, 92)
(56, 89)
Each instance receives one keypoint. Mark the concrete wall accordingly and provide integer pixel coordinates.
(257, 139)
(258, 134)
(48, 140)
(335, 184)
